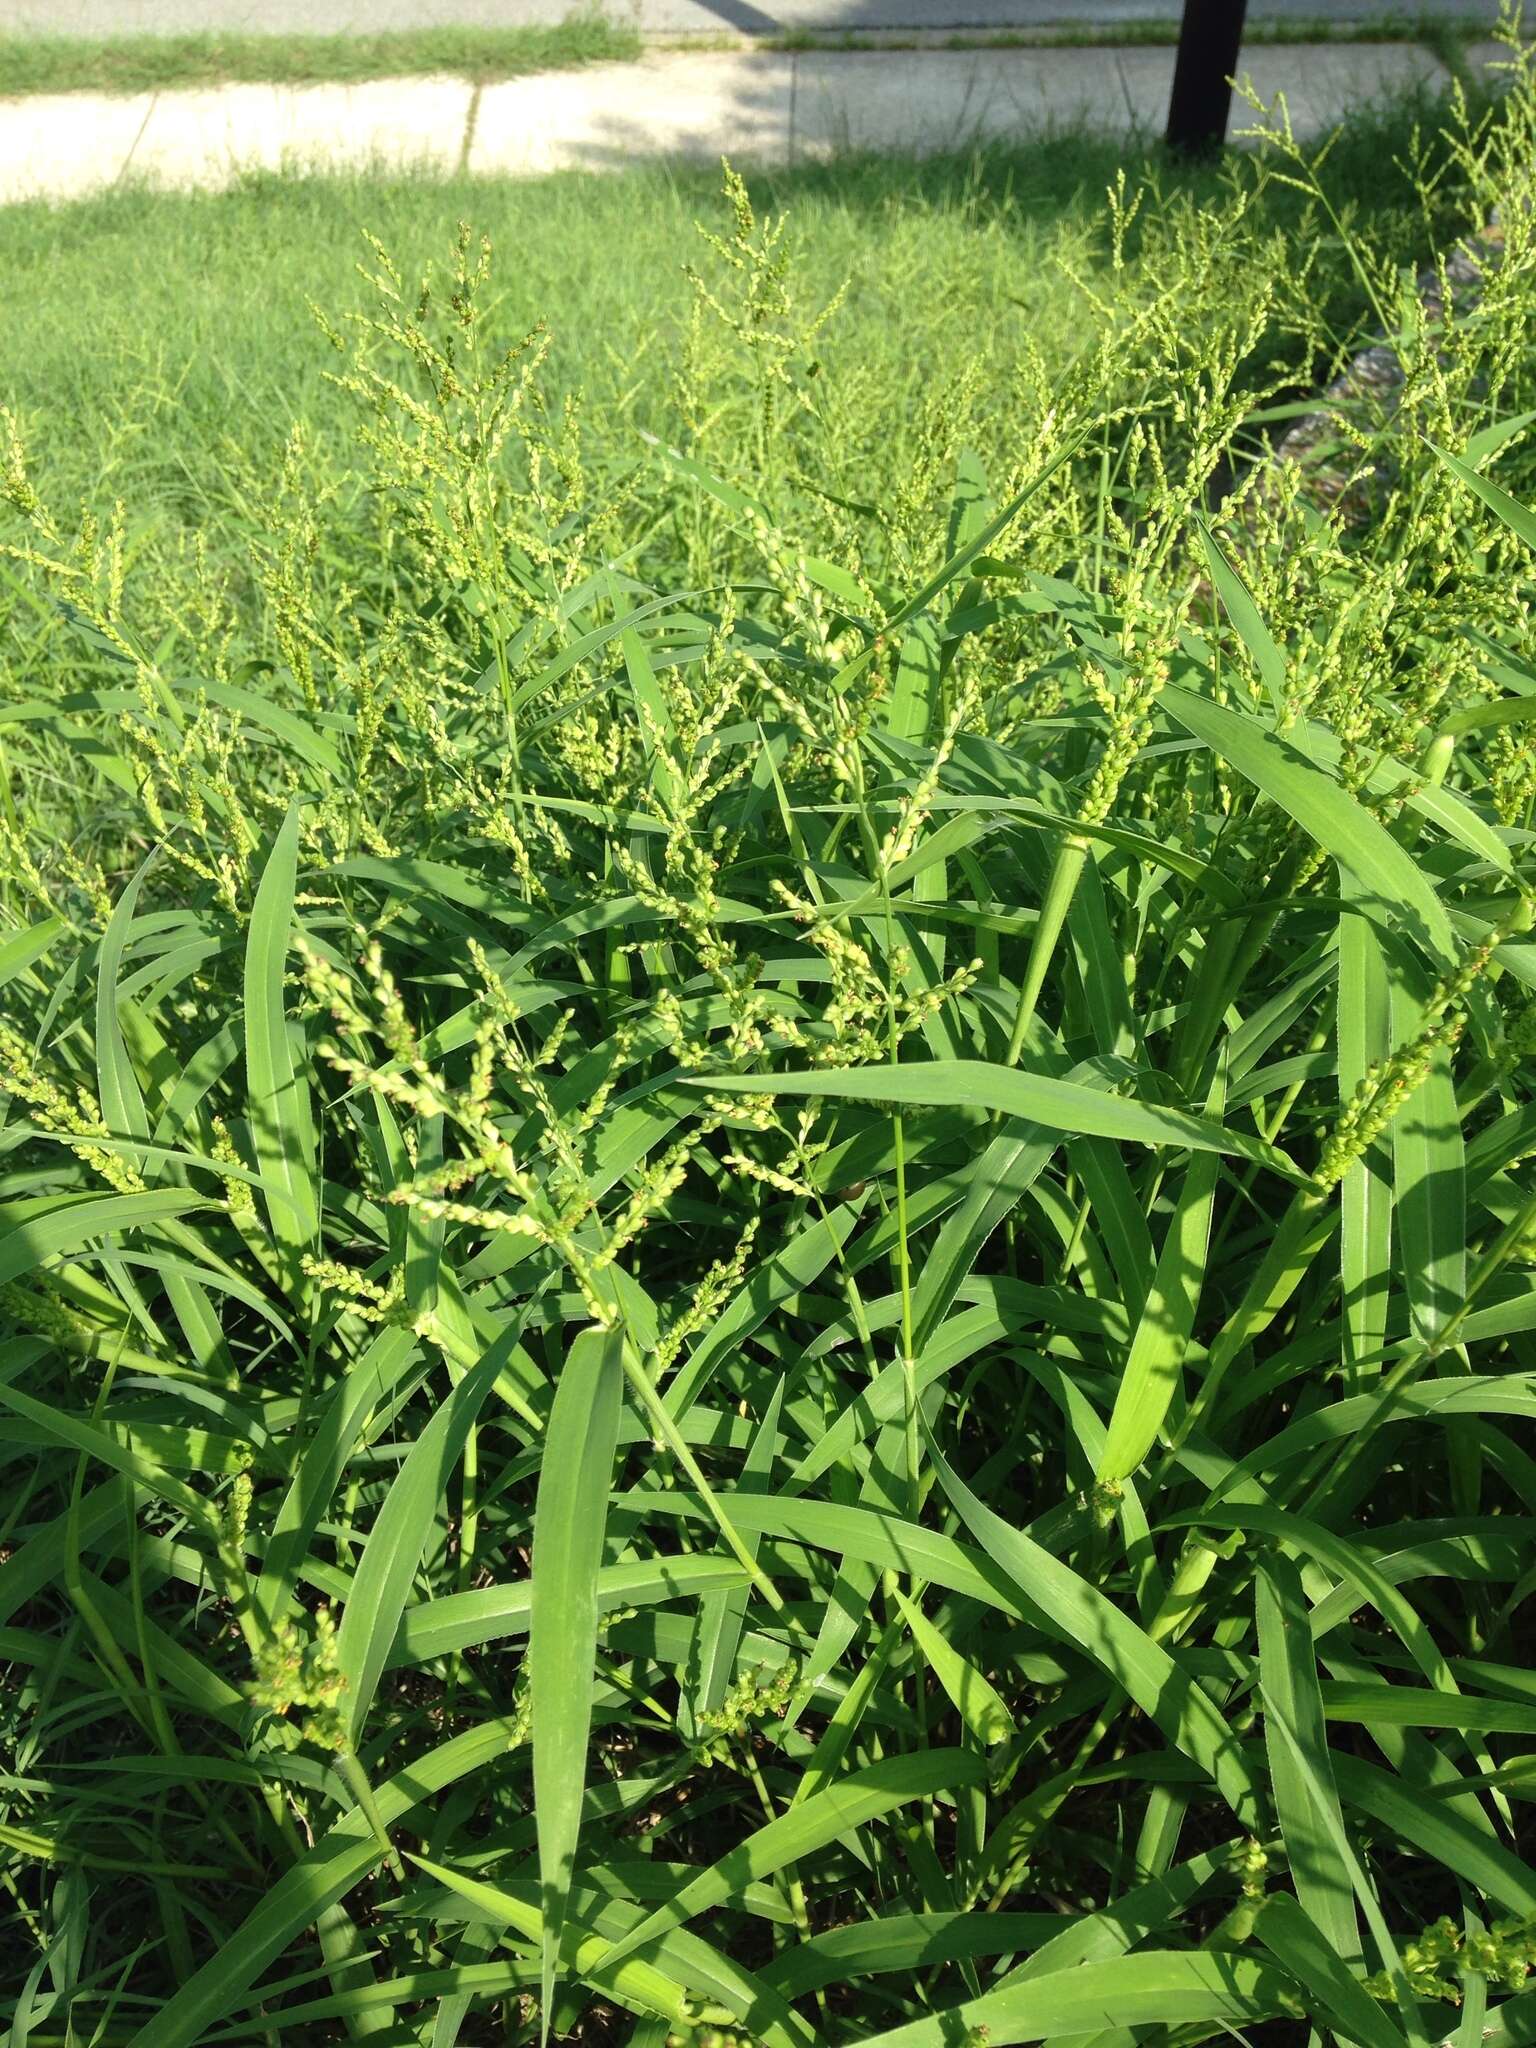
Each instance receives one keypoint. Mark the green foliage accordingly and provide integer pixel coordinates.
(766, 1200)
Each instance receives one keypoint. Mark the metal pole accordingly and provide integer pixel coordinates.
(1210, 39)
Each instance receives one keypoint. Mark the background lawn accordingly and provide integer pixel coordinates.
(157, 349)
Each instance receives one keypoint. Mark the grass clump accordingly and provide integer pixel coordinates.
(766, 1206)
(166, 63)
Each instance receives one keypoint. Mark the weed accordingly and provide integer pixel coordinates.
(766, 1210)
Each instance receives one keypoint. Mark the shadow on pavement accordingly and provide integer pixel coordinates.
(772, 109)
(837, 17)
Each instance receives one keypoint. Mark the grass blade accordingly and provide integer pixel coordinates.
(1384, 871)
(1244, 614)
(382, 1584)
(1289, 1678)
(1033, 1098)
(575, 1476)
(282, 1126)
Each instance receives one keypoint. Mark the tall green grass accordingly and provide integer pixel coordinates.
(766, 1207)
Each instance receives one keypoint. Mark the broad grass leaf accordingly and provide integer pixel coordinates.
(973, 1697)
(971, 501)
(1288, 1674)
(655, 721)
(1386, 872)
(1517, 517)
(42, 1228)
(122, 1099)
(1127, 1921)
(118, 1452)
(1365, 1193)
(1293, 1244)
(641, 1984)
(1488, 440)
(41, 1558)
(871, 1535)
(913, 704)
(571, 1515)
(478, 1940)
(307, 742)
(1479, 717)
(180, 1671)
(826, 1760)
(586, 644)
(1153, 1365)
(1450, 810)
(1309, 1539)
(1330, 1990)
(486, 1614)
(1157, 1988)
(1240, 608)
(1477, 1394)
(412, 1507)
(1512, 1311)
(1429, 1199)
(1428, 1174)
(169, 1445)
(1101, 965)
(1330, 1821)
(1417, 1706)
(22, 949)
(995, 1185)
(319, 1467)
(901, 1941)
(277, 1094)
(955, 1341)
(722, 1614)
(1034, 1098)
(1438, 1832)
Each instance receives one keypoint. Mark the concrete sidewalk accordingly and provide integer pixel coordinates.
(756, 107)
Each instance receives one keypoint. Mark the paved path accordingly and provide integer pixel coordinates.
(661, 17)
(758, 107)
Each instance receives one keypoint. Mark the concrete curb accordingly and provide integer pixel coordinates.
(767, 108)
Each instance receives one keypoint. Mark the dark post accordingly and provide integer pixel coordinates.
(1210, 38)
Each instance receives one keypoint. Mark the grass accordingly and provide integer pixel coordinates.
(158, 348)
(162, 63)
(766, 1196)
